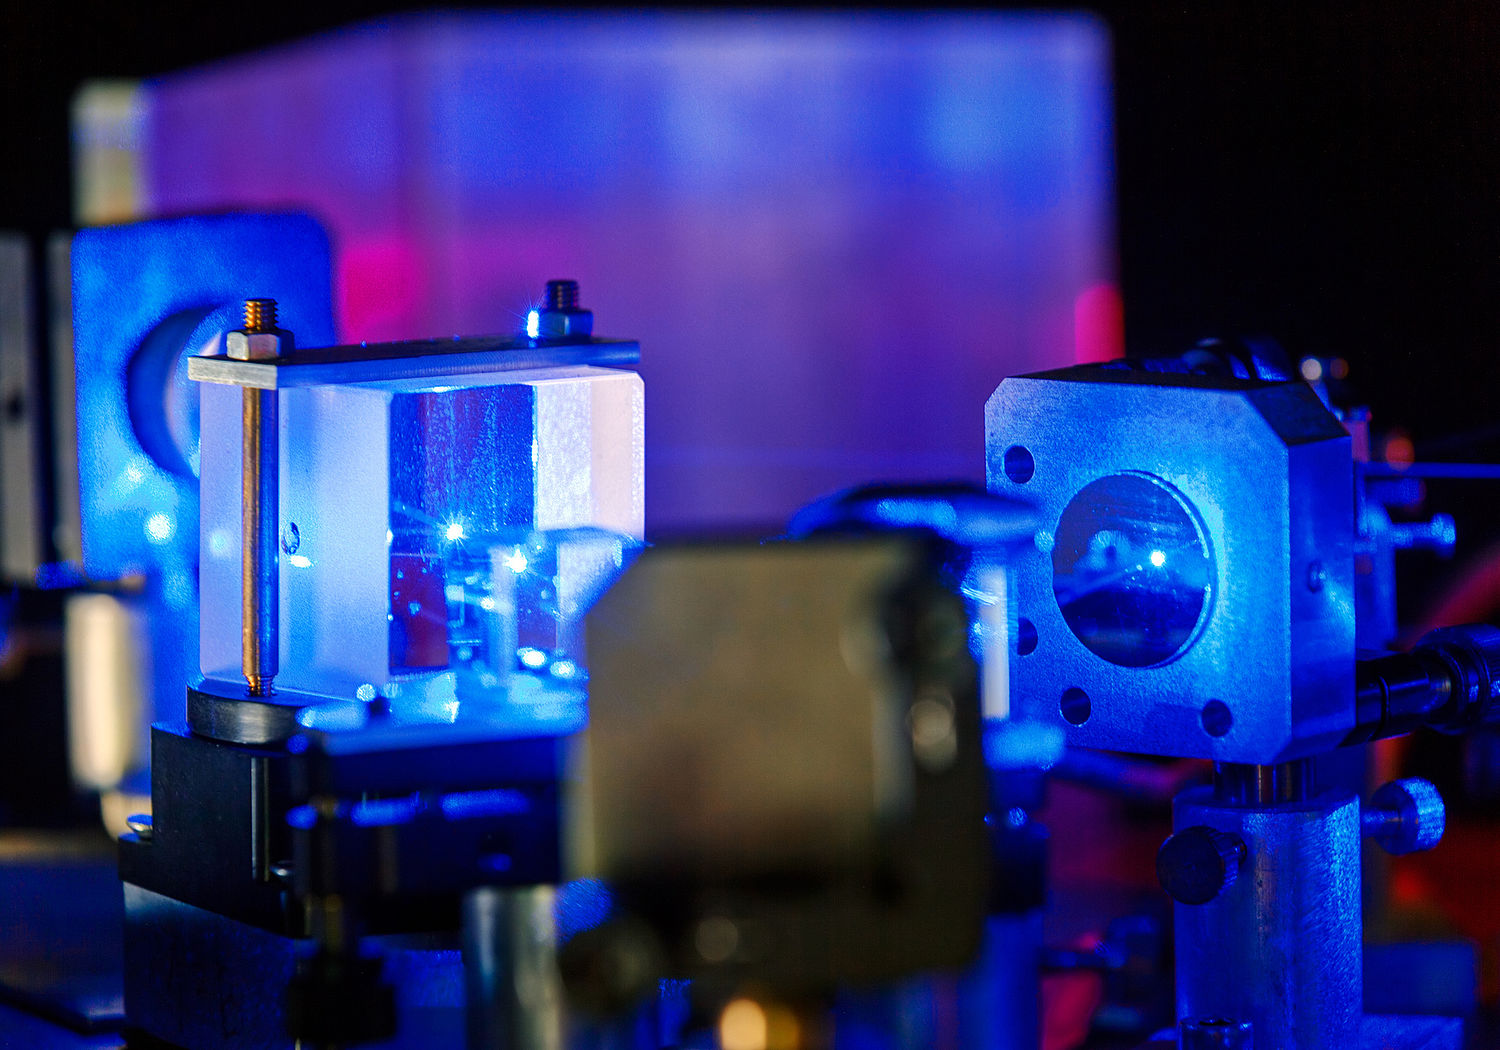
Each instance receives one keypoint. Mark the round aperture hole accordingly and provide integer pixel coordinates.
(1075, 706)
(1132, 570)
(161, 399)
(1216, 718)
(1025, 637)
(1018, 464)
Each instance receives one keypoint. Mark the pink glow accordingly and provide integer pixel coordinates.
(1098, 324)
(833, 235)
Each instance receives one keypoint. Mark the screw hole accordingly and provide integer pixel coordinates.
(1075, 706)
(1025, 637)
(1216, 718)
(1018, 463)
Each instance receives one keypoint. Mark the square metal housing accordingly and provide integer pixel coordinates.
(1268, 469)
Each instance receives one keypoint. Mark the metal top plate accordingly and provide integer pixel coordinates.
(411, 359)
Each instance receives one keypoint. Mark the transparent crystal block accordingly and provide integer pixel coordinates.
(515, 612)
(508, 618)
(395, 494)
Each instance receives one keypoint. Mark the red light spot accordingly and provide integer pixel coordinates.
(1399, 451)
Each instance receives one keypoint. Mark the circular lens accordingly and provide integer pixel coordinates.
(1131, 569)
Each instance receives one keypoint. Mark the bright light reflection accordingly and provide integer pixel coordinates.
(516, 562)
(160, 528)
(455, 531)
(1158, 558)
(532, 658)
(302, 561)
(533, 325)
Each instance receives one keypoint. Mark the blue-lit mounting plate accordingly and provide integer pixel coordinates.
(142, 295)
(412, 359)
(128, 281)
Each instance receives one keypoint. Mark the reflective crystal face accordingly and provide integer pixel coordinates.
(1132, 571)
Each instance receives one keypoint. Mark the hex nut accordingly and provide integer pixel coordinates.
(565, 324)
(257, 346)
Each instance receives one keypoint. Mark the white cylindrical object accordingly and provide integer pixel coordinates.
(105, 661)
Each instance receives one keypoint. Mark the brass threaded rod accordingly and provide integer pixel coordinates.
(259, 557)
(260, 522)
(260, 315)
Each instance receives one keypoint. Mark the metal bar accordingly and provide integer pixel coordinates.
(1458, 471)
(67, 530)
(21, 418)
(1241, 784)
(411, 360)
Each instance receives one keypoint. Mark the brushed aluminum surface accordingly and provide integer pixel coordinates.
(1281, 947)
(1268, 672)
(411, 359)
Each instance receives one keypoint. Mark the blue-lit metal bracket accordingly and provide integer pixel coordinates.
(411, 359)
(145, 296)
(1191, 587)
(130, 281)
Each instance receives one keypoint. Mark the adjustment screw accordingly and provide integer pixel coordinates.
(560, 318)
(259, 339)
(1405, 816)
(1439, 534)
(562, 295)
(260, 315)
(1197, 864)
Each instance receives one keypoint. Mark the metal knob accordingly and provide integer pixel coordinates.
(1197, 864)
(1405, 816)
(1438, 534)
(1471, 654)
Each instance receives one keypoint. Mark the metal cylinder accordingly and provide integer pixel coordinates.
(259, 542)
(1280, 948)
(999, 999)
(513, 988)
(1215, 1033)
(1249, 785)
